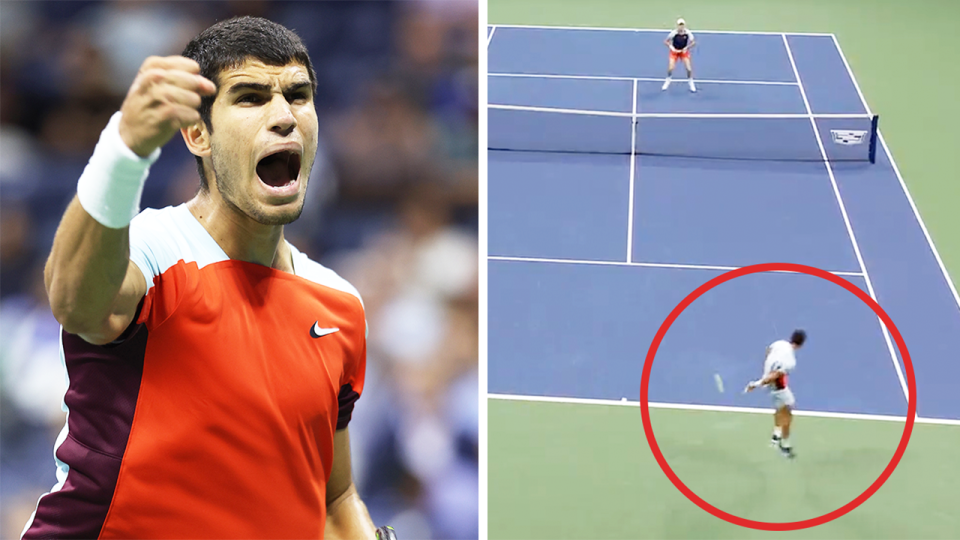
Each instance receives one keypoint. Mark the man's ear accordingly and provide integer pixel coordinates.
(197, 138)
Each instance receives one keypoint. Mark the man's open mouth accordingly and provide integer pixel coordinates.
(280, 169)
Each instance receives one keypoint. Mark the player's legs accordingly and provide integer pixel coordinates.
(786, 416)
(689, 66)
(777, 430)
(670, 66)
(783, 402)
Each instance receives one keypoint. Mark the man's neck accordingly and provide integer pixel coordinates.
(240, 237)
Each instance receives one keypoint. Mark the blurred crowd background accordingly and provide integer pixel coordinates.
(392, 207)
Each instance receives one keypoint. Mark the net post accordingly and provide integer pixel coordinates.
(873, 137)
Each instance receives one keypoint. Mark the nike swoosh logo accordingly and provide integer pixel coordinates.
(316, 331)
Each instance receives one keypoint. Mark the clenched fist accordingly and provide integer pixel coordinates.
(163, 98)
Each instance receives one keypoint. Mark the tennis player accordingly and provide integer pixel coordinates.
(779, 362)
(680, 41)
(213, 367)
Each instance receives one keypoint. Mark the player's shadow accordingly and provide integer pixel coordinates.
(707, 469)
(734, 481)
(857, 467)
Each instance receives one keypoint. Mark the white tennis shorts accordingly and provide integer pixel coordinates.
(782, 398)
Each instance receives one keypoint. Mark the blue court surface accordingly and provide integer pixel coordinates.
(596, 236)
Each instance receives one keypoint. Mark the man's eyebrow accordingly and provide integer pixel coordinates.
(296, 87)
(260, 87)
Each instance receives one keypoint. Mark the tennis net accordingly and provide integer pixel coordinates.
(773, 137)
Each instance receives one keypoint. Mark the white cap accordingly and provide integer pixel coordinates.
(680, 21)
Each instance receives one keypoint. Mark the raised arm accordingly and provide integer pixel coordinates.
(93, 287)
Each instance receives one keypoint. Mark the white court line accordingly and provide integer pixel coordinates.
(490, 36)
(721, 408)
(633, 173)
(644, 264)
(846, 220)
(903, 184)
(754, 116)
(658, 30)
(644, 79)
(557, 110)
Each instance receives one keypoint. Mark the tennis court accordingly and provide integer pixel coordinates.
(610, 200)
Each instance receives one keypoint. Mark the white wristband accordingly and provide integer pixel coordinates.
(112, 182)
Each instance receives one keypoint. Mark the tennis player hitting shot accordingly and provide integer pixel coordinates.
(680, 41)
(779, 362)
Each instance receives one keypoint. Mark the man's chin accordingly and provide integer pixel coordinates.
(284, 217)
(277, 215)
